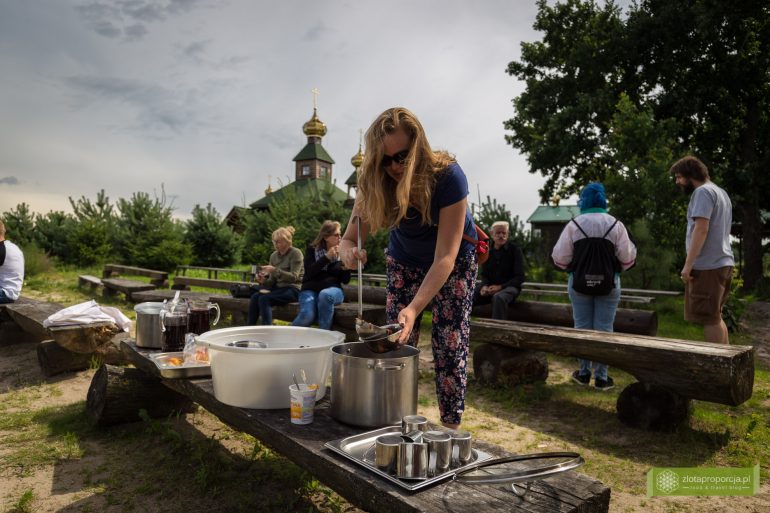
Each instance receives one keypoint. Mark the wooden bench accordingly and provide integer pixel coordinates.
(624, 298)
(570, 492)
(185, 282)
(113, 286)
(157, 278)
(213, 272)
(160, 295)
(59, 348)
(625, 290)
(670, 371)
(94, 282)
(376, 280)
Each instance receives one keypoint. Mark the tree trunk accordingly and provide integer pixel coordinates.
(752, 245)
(84, 338)
(117, 394)
(652, 407)
(499, 365)
(54, 359)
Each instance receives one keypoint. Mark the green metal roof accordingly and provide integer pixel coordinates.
(549, 214)
(314, 151)
(352, 179)
(314, 187)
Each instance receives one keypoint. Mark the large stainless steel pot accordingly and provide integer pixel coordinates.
(148, 332)
(371, 389)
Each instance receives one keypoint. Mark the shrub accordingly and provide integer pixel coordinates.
(53, 233)
(19, 225)
(35, 261)
(213, 243)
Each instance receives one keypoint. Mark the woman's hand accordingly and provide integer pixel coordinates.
(406, 318)
(333, 253)
(350, 257)
(268, 269)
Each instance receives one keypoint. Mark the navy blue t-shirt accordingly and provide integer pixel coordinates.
(414, 243)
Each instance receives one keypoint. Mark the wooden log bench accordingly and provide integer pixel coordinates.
(635, 321)
(570, 492)
(59, 348)
(624, 290)
(670, 372)
(86, 280)
(212, 272)
(160, 295)
(185, 282)
(114, 286)
(625, 299)
(157, 278)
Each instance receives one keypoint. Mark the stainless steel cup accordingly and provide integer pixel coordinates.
(462, 440)
(412, 461)
(386, 452)
(413, 422)
(439, 451)
(413, 437)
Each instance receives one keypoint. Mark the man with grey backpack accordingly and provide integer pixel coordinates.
(594, 248)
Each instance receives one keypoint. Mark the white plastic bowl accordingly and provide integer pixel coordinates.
(258, 375)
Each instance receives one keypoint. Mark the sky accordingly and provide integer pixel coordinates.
(206, 99)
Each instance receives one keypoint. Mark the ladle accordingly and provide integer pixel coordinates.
(379, 339)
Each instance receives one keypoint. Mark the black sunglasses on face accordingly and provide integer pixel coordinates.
(398, 158)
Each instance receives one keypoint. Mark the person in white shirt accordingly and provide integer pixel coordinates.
(11, 269)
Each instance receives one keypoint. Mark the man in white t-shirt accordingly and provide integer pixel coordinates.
(11, 269)
(708, 270)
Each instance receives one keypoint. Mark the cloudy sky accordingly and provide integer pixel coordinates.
(208, 97)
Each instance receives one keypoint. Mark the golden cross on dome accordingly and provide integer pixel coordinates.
(360, 137)
(315, 92)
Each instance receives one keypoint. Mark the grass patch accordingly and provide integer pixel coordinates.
(24, 504)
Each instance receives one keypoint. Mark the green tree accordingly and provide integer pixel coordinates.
(53, 233)
(19, 225)
(699, 68)
(148, 236)
(213, 243)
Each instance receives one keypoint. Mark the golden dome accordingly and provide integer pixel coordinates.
(269, 190)
(358, 158)
(314, 127)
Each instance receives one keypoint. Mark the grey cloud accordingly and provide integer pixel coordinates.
(159, 111)
(112, 18)
(9, 180)
(315, 32)
(197, 51)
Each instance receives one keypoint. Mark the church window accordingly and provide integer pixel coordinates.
(305, 170)
(324, 172)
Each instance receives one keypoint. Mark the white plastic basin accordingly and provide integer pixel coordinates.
(252, 366)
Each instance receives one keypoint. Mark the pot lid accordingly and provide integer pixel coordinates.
(519, 469)
(148, 307)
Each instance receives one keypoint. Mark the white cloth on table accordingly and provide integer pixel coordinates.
(88, 312)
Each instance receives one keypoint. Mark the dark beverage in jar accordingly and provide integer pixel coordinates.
(200, 320)
(173, 336)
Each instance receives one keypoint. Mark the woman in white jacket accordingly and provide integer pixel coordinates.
(594, 312)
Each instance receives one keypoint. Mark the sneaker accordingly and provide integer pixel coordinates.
(581, 379)
(604, 384)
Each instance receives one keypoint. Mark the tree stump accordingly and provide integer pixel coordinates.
(652, 407)
(494, 364)
(85, 338)
(117, 394)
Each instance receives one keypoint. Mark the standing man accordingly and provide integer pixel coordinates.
(709, 266)
(502, 275)
(11, 269)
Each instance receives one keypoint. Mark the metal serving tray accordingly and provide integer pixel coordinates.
(186, 370)
(360, 449)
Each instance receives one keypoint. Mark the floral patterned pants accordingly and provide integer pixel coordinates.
(451, 325)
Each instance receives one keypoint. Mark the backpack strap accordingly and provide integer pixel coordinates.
(611, 227)
(580, 228)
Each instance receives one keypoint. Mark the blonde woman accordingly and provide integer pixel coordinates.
(420, 195)
(280, 279)
(324, 276)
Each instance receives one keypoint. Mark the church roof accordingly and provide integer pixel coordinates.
(352, 179)
(314, 187)
(551, 214)
(314, 151)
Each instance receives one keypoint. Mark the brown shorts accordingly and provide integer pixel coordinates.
(705, 295)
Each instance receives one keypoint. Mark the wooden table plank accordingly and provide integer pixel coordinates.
(571, 492)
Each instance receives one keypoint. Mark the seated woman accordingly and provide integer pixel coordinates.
(324, 276)
(280, 280)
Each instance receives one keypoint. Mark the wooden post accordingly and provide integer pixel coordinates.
(499, 365)
(117, 394)
(652, 407)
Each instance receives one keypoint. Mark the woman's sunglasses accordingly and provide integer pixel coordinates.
(398, 158)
